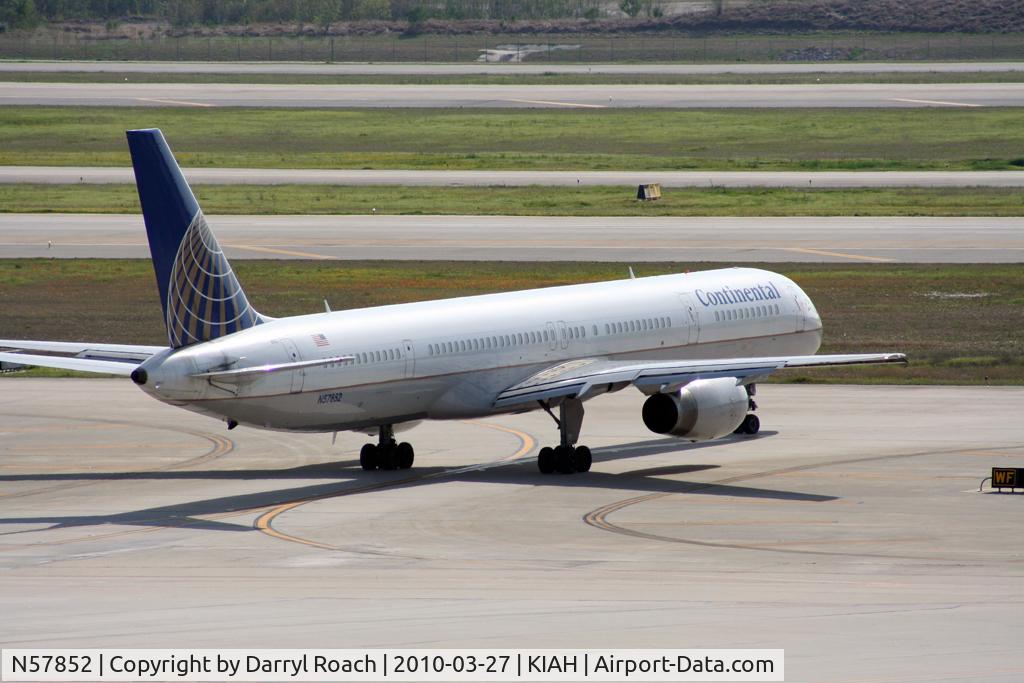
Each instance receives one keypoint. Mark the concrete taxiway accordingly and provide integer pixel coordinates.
(849, 532)
(441, 69)
(513, 96)
(102, 175)
(540, 238)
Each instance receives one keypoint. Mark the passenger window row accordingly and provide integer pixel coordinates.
(642, 325)
(747, 313)
(505, 341)
(573, 332)
(378, 356)
(500, 341)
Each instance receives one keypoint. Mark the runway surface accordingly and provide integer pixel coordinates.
(514, 96)
(275, 176)
(522, 238)
(400, 68)
(849, 532)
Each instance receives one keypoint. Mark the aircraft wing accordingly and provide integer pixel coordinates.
(588, 377)
(111, 359)
(114, 352)
(107, 367)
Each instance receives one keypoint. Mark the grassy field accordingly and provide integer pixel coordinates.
(959, 324)
(548, 78)
(584, 47)
(805, 139)
(529, 201)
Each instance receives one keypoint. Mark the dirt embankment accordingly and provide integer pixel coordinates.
(779, 16)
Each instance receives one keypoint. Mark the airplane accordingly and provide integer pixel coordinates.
(694, 343)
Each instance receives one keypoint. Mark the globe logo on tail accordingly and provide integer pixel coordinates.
(204, 299)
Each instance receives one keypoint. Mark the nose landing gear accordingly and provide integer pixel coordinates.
(386, 454)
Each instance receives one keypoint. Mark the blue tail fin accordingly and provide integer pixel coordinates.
(199, 292)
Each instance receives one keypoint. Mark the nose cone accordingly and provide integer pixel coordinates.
(812, 323)
(813, 319)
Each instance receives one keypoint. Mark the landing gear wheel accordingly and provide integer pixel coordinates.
(751, 425)
(564, 460)
(388, 457)
(368, 457)
(582, 459)
(405, 455)
(546, 460)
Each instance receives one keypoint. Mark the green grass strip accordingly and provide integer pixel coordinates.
(614, 139)
(530, 201)
(546, 78)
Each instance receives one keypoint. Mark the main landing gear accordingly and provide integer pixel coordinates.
(751, 423)
(386, 454)
(565, 458)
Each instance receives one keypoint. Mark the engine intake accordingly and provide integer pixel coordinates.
(702, 410)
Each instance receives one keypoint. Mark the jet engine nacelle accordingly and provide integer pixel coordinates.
(702, 410)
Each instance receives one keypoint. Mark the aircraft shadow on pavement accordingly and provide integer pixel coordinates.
(314, 471)
(336, 468)
(639, 449)
(189, 514)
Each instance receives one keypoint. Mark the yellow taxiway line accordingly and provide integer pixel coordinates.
(264, 522)
(839, 254)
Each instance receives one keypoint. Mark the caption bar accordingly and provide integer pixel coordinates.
(385, 665)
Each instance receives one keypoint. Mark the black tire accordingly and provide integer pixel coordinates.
(368, 457)
(563, 460)
(546, 460)
(582, 459)
(405, 455)
(388, 457)
(753, 424)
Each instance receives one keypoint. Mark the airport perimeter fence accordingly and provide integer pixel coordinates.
(533, 48)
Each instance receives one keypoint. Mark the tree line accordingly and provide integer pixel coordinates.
(28, 13)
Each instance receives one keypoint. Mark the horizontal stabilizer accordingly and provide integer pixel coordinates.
(106, 367)
(242, 374)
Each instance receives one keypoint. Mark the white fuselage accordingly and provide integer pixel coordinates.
(450, 358)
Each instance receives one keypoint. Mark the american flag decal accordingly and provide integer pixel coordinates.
(320, 340)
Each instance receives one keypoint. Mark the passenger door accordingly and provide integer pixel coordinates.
(552, 337)
(298, 376)
(410, 357)
(691, 318)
